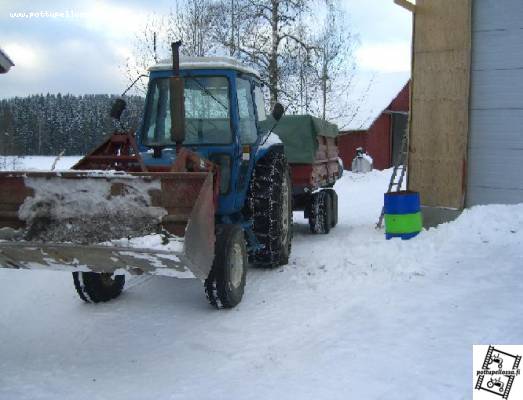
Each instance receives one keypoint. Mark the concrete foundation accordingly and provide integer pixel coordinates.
(433, 216)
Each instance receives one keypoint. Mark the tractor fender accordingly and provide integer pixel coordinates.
(268, 143)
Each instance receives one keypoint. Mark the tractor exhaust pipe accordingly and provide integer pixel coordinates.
(175, 48)
(177, 99)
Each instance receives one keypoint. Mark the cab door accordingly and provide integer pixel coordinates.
(247, 132)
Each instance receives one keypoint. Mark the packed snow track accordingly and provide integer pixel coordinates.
(351, 315)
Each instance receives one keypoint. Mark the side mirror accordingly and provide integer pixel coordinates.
(118, 108)
(177, 100)
(278, 111)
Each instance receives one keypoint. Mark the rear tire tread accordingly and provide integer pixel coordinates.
(91, 289)
(264, 208)
(320, 214)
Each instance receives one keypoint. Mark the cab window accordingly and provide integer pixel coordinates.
(206, 112)
(247, 126)
(259, 99)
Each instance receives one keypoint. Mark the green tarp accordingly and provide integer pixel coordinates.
(298, 134)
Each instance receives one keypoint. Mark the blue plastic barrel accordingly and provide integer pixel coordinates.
(402, 214)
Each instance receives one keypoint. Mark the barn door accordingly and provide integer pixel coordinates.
(399, 126)
(495, 148)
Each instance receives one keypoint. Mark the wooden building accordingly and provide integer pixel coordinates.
(381, 139)
(5, 62)
(466, 125)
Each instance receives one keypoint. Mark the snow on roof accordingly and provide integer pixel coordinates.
(5, 62)
(206, 63)
(383, 90)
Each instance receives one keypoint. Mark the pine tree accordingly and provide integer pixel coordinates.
(50, 124)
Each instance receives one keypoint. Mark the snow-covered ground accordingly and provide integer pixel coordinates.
(37, 162)
(352, 316)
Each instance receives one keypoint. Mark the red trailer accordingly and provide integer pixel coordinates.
(312, 152)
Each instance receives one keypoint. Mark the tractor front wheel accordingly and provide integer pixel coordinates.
(226, 282)
(95, 288)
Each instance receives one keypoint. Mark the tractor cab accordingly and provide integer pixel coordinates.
(224, 120)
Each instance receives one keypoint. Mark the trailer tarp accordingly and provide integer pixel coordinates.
(298, 134)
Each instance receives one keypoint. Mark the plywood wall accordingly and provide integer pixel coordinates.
(440, 101)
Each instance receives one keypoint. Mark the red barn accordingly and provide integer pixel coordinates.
(382, 139)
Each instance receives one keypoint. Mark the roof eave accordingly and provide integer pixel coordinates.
(407, 5)
(5, 62)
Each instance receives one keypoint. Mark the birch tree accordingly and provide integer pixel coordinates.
(263, 35)
(193, 24)
(335, 66)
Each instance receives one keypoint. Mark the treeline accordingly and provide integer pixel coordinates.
(52, 123)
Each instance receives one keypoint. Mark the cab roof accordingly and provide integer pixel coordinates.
(205, 63)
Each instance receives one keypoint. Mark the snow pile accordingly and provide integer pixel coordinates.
(362, 163)
(496, 224)
(367, 157)
(153, 242)
(89, 210)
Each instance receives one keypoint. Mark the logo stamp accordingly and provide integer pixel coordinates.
(496, 372)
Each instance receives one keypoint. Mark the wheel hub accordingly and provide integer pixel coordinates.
(107, 279)
(237, 266)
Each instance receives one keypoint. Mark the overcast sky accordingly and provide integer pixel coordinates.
(84, 50)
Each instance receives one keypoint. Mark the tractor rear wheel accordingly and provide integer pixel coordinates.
(95, 288)
(269, 205)
(226, 282)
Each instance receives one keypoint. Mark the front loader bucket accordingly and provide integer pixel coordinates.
(45, 220)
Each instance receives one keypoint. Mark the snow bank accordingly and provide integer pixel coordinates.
(153, 242)
(351, 313)
(496, 224)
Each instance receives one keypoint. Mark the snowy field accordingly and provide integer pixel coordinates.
(37, 162)
(351, 317)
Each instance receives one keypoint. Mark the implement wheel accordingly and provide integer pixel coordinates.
(269, 205)
(226, 282)
(96, 288)
(334, 202)
(320, 214)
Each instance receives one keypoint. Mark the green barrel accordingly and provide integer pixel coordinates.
(402, 214)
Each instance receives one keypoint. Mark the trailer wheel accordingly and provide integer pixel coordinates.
(95, 288)
(334, 203)
(225, 284)
(320, 214)
(269, 205)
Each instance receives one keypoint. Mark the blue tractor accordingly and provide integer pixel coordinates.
(204, 155)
